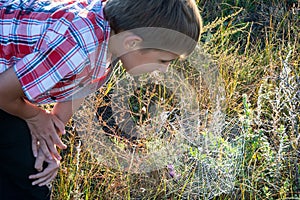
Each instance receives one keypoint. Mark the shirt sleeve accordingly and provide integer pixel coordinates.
(58, 57)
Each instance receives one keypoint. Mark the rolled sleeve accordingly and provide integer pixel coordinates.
(40, 71)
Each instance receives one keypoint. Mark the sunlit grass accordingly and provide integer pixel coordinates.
(252, 151)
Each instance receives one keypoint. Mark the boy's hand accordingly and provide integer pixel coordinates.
(44, 128)
(47, 175)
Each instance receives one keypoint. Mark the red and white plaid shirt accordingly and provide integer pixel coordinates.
(55, 48)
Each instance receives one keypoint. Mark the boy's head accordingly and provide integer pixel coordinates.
(169, 26)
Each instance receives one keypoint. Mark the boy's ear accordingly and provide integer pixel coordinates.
(132, 42)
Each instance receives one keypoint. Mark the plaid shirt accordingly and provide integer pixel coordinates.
(55, 48)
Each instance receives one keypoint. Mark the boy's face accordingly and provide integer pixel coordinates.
(145, 61)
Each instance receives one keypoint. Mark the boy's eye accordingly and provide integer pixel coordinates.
(164, 61)
(167, 61)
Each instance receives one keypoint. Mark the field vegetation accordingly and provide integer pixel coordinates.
(247, 145)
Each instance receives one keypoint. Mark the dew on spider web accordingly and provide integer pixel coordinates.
(156, 121)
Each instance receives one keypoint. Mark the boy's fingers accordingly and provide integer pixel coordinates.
(49, 179)
(57, 156)
(51, 145)
(38, 165)
(46, 179)
(41, 174)
(57, 141)
(60, 128)
(45, 149)
(41, 179)
(46, 176)
(54, 152)
(59, 125)
(34, 145)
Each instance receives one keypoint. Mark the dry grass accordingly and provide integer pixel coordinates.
(247, 143)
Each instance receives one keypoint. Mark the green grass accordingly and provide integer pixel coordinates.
(255, 153)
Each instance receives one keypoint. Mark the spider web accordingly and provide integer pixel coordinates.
(145, 123)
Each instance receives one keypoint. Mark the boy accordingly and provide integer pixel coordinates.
(51, 52)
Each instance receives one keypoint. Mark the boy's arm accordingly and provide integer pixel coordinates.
(43, 126)
(65, 110)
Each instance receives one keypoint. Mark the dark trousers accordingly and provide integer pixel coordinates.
(17, 161)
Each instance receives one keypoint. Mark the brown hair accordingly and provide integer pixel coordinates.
(171, 24)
